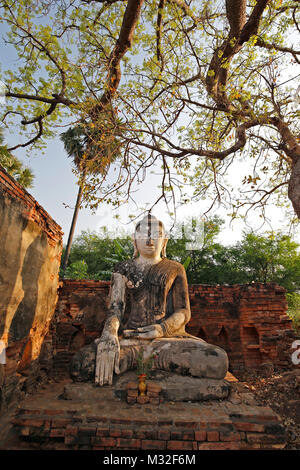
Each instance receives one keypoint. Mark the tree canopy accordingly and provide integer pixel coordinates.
(189, 86)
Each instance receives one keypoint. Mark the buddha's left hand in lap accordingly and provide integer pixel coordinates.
(145, 332)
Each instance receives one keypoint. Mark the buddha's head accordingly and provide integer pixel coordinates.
(149, 238)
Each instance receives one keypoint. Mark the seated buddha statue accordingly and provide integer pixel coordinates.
(148, 308)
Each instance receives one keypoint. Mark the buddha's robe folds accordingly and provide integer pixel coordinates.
(155, 294)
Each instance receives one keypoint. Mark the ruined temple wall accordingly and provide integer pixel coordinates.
(30, 251)
(78, 319)
(248, 321)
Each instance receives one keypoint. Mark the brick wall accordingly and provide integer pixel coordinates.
(245, 428)
(30, 251)
(78, 320)
(248, 321)
(52, 429)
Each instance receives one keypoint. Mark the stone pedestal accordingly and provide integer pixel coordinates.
(81, 416)
(178, 388)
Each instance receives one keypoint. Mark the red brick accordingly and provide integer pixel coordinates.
(86, 431)
(57, 432)
(151, 434)
(36, 423)
(132, 386)
(255, 427)
(176, 435)
(164, 422)
(132, 393)
(155, 445)
(153, 388)
(102, 432)
(163, 435)
(186, 424)
(24, 411)
(71, 430)
(128, 433)
(188, 435)
(142, 400)
(230, 436)
(126, 420)
(200, 435)
(140, 422)
(264, 438)
(152, 395)
(219, 446)
(61, 423)
(104, 441)
(70, 440)
(272, 446)
(212, 436)
(47, 425)
(130, 443)
(140, 434)
(181, 445)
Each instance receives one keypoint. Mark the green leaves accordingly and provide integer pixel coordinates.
(191, 103)
(14, 166)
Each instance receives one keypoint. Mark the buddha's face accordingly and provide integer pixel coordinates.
(150, 239)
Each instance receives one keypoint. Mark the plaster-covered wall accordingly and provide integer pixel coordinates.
(30, 251)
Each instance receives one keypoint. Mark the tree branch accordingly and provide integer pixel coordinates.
(130, 19)
(240, 32)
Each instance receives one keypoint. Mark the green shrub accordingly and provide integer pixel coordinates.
(294, 309)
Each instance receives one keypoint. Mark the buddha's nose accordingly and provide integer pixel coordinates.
(149, 241)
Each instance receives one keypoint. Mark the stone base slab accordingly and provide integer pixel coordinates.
(99, 420)
(177, 387)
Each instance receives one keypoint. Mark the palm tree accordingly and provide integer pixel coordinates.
(14, 166)
(84, 144)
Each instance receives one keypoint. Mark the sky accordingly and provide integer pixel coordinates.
(55, 190)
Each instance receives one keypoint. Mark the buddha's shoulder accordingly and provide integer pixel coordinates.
(174, 265)
(124, 267)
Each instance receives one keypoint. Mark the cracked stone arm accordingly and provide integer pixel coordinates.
(116, 304)
(108, 346)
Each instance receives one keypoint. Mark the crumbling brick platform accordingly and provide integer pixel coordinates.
(104, 422)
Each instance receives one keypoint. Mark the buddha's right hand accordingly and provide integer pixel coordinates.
(107, 359)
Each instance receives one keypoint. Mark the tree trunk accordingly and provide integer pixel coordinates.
(73, 224)
(294, 186)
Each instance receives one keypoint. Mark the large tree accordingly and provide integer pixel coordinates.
(199, 85)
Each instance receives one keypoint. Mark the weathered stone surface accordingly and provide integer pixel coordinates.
(30, 250)
(82, 368)
(178, 388)
(82, 392)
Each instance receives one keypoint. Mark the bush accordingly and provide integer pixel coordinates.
(294, 309)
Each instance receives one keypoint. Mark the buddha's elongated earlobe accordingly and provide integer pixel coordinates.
(164, 249)
(135, 250)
